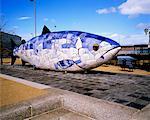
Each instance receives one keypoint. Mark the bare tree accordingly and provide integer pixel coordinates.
(1, 48)
(3, 23)
(3, 28)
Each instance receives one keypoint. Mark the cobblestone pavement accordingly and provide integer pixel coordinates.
(129, 90)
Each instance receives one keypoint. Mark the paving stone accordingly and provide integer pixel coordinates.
(135, 105)
(87, 89)
(100, 96)
(142, 102)
(102, 89)
(134, 95)
(121, 101)
(113, 87)
(89, 94)
(145, 98)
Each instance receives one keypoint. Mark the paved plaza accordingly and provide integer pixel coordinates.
(129, 90)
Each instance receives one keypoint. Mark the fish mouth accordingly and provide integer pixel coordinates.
(109, 54)
(113, 51)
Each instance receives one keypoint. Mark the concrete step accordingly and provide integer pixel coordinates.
(30, 108)
(60, 114)
(22, 99)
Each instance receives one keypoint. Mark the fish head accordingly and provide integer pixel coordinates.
(17, 51)
(96, 50)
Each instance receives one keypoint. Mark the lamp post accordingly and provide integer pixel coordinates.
(34, 17)
(147, 32)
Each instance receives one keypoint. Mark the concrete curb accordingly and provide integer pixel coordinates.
(25, 82)
(97, 108)
(143, 114)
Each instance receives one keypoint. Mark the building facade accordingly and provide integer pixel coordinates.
(5, 43)
(140, 52)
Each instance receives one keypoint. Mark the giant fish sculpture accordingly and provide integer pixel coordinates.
(67, 51)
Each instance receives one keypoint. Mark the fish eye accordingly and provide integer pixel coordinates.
(95, 47)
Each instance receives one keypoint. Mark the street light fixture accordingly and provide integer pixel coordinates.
(147, 32)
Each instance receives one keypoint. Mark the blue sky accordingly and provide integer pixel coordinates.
(121, 20)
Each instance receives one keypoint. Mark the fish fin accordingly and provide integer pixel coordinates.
(45, 30)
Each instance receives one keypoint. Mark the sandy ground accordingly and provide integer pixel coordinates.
(117, 69)
(8, 61)
(12, 92)
(105, 68)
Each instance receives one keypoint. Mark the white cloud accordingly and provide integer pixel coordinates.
(128, 39)
(135, 7)
(45, 19)
(142, 25)
(106, 10)
(24, 18)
